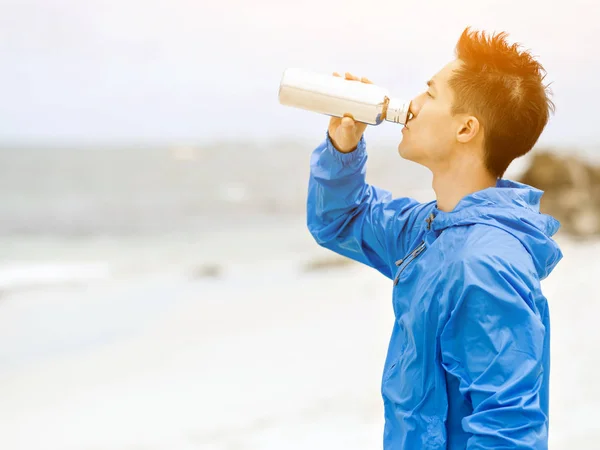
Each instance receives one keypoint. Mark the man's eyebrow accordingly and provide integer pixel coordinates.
(431, 83)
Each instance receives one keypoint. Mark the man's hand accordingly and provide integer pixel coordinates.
(345, 132)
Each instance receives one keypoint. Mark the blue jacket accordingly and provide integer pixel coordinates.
(468, 362)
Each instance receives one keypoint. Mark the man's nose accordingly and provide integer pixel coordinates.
(415, 105)
(413, 109)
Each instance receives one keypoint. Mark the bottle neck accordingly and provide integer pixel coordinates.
(397, 111)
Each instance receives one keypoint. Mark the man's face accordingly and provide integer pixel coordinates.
(430, 136)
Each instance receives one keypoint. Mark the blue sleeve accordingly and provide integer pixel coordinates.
(493, 342)
(352, 218)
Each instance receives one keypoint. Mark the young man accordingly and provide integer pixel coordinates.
(468, 362)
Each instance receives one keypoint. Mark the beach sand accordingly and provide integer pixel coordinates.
(257, 339)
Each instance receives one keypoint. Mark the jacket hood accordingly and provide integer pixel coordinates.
(515, 208)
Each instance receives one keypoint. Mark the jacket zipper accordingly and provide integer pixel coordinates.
(408, 259)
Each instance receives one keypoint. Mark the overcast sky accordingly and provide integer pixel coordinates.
(183, 71)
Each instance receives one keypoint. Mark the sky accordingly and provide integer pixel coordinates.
(186, 72)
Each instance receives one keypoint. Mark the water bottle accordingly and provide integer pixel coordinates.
(336, 96)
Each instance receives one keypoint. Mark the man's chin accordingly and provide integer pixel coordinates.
(403, 150)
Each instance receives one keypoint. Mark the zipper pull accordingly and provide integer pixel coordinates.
(429, 220)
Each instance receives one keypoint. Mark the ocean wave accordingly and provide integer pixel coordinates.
(19, 276)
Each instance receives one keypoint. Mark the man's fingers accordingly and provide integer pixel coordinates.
(347, 122)
(349, 76)
(365, 80)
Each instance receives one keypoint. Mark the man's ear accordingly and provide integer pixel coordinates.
(468, 129)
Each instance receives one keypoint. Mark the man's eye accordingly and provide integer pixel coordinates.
(428, 94)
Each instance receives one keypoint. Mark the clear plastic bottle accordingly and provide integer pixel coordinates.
(336, 96)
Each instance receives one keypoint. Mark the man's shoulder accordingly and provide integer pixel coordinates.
(407, 217)
(491, 247)
(399, 204)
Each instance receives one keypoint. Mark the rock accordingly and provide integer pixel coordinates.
(571, 191)
(207, 271)
(586, 222)
(546, 171)
(331, 262)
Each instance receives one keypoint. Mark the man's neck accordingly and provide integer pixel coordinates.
(455, 183)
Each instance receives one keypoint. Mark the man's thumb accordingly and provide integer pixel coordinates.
(347, 123)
